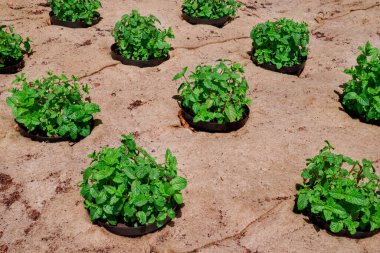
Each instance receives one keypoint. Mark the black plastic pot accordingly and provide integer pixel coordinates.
(41, 137)
(124, 230)
(142, 64)
(214, 127)
(71, 24)
(219, 22)
(293, 70)
(13, 68)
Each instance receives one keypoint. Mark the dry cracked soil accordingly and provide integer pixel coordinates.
(241, 186)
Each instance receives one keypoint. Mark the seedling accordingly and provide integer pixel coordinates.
(138, 38)
(341, 191)
(127, 185)
(361, 94)
(210, 9)
(215, 94)
(52, 105)
(12, 46)
(282, 43)
(75, 10)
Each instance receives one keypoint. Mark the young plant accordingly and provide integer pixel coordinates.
(342, 192)
(282, 43)
(75, 10)
(127, 185)
(361, 94)
(138, 38)
(215, 94)
(52, 105)
(12, 46)
(210, 9)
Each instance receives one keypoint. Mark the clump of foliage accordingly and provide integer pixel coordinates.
(215, 93)
(210, 9)
(342, 192)
(75, 10)
(138, 38)
(282, 43)
(12, 46)
(52, 105)
(127, 185)
(361, 94)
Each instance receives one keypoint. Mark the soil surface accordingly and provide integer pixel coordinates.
(241, 187)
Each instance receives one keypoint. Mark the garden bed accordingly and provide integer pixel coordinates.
(241, 184)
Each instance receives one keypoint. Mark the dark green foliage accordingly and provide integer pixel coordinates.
(52, 105)
(361, 94)
(127, 185)
(342, 192)
(210, 9)
(12, 46)
(215, 93)
(75, 10)
(281, 43)
(138, 38)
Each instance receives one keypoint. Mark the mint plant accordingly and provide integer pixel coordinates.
(210, 9)
(215, 93)
(53, 106)
(75, 10)
(12, 46)
(342, 192)
(138, 38)
(361, 94)
(127, 185)
(282, 43)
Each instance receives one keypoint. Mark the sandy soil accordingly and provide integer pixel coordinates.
(241, 185)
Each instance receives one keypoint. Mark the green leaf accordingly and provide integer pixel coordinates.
(178, 198)
(108, 209)
(103, 174)
(178, 183)
(141, 216)
(336, 227)
(302, 201)
(162, 216)
(140, 200)
(231, 113)
(130, 173)
(128, 210)
(101, 198)
(181, 74)
(110, 189)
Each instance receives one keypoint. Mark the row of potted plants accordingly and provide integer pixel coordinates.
(129, 193)
(83, 13)
(279, 46)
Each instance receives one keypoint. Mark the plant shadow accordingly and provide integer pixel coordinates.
(97, 122)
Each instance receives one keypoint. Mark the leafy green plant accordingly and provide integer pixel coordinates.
(282, 43)
(210, 9)
(138, 38)
(75, 10)
(361, 94)
(342, 192)
(12, 46)
(215, 93)
(52, 105)
(127, 185)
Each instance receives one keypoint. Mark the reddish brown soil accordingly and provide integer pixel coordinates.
(241, 187)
